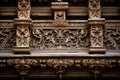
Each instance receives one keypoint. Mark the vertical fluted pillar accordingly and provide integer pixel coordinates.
(22, 24)
(96, 24)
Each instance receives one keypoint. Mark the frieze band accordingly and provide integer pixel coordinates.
(60, 66)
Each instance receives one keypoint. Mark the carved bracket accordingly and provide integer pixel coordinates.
(23, 66)
(97, 66)
(60, 65)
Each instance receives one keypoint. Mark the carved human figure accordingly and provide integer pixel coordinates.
(24, 9)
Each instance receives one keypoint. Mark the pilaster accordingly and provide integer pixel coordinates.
(96, 25)
(22, 24)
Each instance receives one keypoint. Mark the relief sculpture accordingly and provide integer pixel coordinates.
(112, 38)
(7, 39)
(59, 38)
(22, 34)
(96, 36)
(24, 9)
(94, 9)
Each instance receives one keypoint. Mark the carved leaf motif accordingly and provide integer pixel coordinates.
(7, 39)
(96, 35)
(59, 38)
(112, 38)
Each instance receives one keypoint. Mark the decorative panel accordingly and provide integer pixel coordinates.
(7, 38)
(59, 38)
(112, 35)
(7, 34)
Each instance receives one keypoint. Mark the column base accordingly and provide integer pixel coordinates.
(21, 50)
(97, 50)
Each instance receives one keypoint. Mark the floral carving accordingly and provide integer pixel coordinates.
(94, 9)
(39, 35)
(59, 38)
(112, 36)
(96, 35)
(24, 9)
(7, 39)
(23, 35)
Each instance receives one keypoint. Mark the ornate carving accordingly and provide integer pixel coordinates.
(59, 38)
(96, 35)
(24, 9)
(112, 36)
(97, 66)
(39, 35)
(23, 35)
(7, 38)
(60, 18)
(23, 66)
(60, 65)
(94, 9)
(59, 8)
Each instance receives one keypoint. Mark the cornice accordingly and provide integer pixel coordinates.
(95, 66)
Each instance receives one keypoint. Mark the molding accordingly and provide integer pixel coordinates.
(72, 11)
(94, 66)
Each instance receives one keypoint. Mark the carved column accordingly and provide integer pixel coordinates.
(22, 24)
(96, 24)
(59, 9)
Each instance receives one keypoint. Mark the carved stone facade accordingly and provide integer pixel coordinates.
(59, 39)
